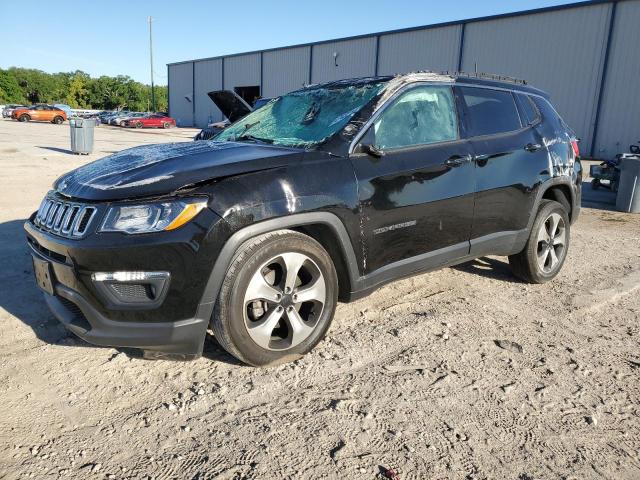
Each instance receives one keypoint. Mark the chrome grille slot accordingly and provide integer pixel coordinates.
(52, 214)
(67, 219)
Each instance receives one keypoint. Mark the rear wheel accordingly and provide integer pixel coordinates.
(138, 124)
(166, 125)
(58, 120)
(277, 300)
(547, 247)
(24, 118)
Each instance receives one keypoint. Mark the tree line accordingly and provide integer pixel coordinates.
(78, 90)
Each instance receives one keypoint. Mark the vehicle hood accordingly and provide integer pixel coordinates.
(153, 170)
(230, 104)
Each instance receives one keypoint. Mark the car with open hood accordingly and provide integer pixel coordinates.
(320, 196)
(233, 107)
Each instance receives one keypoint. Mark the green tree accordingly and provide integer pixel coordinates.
(10, 91)
(77, 92)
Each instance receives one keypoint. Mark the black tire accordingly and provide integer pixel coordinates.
(24, 118)
(230, 318)
(166, 125)
(58, 120)
(525, 264)
(138, 124)
(595, 184)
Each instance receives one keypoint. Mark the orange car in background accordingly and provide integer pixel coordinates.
(43, 113)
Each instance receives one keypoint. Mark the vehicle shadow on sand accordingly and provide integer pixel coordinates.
(494, 268)
(21, 298)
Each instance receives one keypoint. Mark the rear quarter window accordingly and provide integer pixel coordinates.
(489, 112)
(528, 109)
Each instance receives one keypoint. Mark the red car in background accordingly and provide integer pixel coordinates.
(150, 121)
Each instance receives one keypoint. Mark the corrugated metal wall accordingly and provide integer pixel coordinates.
(285, 70)
(208, 77)
(355, 58)
(242, 71)
(181, 93)
(433, 49)
(619, 122)
(561, 52)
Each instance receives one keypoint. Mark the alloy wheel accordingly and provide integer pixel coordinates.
(551, 243)
(283, 301)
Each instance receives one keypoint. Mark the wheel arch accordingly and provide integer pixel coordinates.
(560, 190)
(324, 227)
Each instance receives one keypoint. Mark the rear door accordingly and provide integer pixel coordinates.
(416, 200)
(510, 158)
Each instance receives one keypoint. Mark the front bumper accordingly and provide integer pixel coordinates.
(185, 337)
(177, 326)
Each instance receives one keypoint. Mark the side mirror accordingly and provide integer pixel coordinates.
(372, 150)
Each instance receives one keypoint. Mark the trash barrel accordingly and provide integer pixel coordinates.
(628, 199)
(82, 135)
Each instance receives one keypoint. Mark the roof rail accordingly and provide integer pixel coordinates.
(488, 76)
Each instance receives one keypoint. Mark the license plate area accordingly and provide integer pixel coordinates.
(44, 274)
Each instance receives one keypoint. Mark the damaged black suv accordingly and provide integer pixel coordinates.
(322, 195)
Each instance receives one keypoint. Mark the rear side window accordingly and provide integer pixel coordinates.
(490, 111)
(420, 116)
(528, 109)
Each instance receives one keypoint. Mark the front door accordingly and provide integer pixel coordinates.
(415, 183)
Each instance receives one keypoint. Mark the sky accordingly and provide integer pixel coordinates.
(111, 37)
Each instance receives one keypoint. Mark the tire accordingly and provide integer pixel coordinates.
(24, 118)
(261, 261)
(595, 184)
(58, 120)
(138, 124)
(166, 125)
(541, 260)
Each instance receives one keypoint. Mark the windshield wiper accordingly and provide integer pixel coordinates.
(255, 139)
(247, 126)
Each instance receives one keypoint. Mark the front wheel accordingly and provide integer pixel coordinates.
(24, 118)
(277, 300)
(58, 120)
(166, 125)
(547, 246)
(138, 124)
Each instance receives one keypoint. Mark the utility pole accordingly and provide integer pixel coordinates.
(153, 93)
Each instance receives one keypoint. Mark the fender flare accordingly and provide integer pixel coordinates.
(221, 265)
(543, 188)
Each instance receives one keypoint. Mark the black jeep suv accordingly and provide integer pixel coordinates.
(321, 195)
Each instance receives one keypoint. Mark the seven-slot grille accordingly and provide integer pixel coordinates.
(63, 218)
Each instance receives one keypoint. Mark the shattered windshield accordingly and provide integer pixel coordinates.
(304, 118)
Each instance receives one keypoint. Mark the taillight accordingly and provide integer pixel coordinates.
(576, 149)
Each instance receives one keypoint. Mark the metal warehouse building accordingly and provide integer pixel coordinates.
(586, 55)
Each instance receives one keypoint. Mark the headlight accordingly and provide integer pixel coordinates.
(151, 217)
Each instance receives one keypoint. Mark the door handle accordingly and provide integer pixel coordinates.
(457, 160)
(532, 147)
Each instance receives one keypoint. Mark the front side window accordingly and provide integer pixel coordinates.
(490, 111)
(420, 116)
(304, 118)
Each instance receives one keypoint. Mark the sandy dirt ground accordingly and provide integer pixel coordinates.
(461, 373)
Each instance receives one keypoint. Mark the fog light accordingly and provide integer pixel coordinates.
(122, 290)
